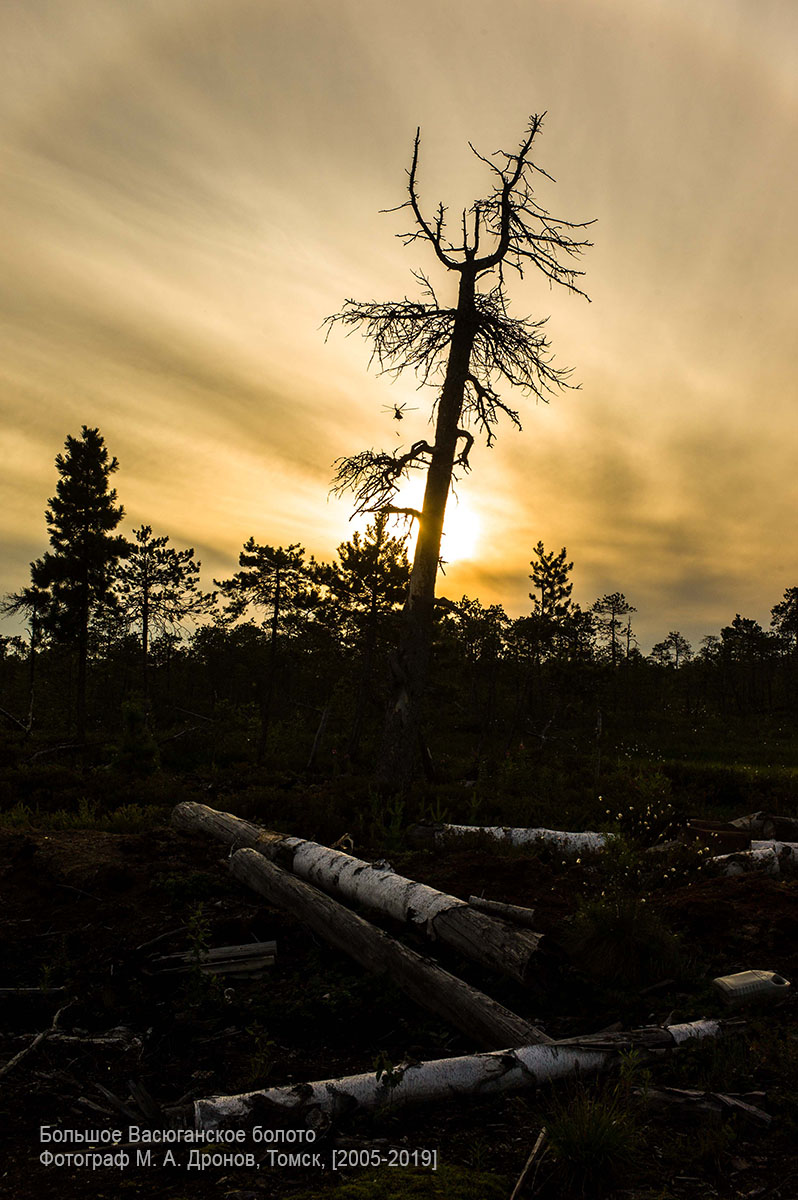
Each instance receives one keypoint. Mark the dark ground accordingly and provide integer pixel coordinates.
(76, 905)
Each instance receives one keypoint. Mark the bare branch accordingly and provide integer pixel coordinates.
(413, 513)
(436, 237)
(404, 333)
(524, 231)
(483, 406)
(462, 458)
(514, 348)
(374, 475)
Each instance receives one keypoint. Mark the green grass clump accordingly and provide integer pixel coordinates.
(21, 816)
(128, 818)
(621, 939)
(593, 1142)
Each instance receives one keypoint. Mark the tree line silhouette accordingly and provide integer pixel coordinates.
(289, 659)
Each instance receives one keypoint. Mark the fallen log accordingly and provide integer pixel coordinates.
(246, 959)
(515, 913)
(442, 1079)
(31, 991)
(438, 915)
(570, 844)
(691, 1102)
(767, 856)
(786, 852)
(198, 818)
(115, 1037)
(764, 858)
(769, 826)
(472, 1012)
(45, 1033)
(719, 836)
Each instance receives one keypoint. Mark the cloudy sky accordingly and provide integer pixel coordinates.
(189, 187)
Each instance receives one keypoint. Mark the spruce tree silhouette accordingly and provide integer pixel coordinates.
(79, 571)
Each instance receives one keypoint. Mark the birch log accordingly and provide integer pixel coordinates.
(469, 1010)
(786, 852)
(443, 1079)
(769, 826)
(474, 934)
(569, 844)
(766, 857)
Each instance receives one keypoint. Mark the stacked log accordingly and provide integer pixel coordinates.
(440, 916)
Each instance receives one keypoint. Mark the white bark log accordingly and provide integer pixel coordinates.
(785, 850)
(769, 826)
(437, 914)
(764, 859)
(442, 1079)
(332, 870)
(569, 844)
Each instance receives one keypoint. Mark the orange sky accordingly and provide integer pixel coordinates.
(189, 187)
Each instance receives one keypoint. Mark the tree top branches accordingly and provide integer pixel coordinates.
(522, 231)
(470, 350)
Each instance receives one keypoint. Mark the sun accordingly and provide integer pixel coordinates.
(461, 531)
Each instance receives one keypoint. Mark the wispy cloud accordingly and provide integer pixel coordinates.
(188, 189)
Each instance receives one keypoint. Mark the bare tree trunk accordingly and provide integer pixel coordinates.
(320, 730)
(470, 1011)
(34, 639)
(402, 728)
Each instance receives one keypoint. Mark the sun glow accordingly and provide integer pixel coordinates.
(461, 532)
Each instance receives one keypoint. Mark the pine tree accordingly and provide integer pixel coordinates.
(784, 618)
(31, 602)
(271, 578)
(370, 579)
(79, 570)
(608, 610)
(550, 573)
(157, 588)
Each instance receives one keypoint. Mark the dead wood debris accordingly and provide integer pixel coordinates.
(39, 1038)
(536, 1156)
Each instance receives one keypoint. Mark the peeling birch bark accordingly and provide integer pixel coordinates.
(472, 933)
(464, 1007)
(786, 852)
(474, 1075)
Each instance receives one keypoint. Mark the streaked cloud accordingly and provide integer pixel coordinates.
(188, 189)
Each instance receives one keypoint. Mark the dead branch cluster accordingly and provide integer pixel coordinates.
(508, 228)
(522, 230)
